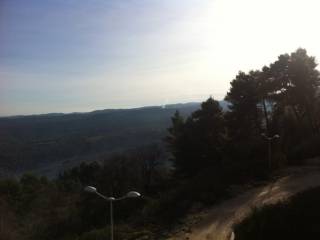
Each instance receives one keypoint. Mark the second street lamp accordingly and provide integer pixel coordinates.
(269, 139)
(131, 194)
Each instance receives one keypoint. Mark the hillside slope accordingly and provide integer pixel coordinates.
(49, 143)
(216, 223)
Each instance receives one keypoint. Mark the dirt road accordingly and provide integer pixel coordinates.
(216, 223)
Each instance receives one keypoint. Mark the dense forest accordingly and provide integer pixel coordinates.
(273, 121)
(49, 143)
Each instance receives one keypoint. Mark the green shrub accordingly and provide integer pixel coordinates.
(121, 232)
(295, 219)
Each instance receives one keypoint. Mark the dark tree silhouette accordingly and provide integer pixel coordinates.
(197, 143)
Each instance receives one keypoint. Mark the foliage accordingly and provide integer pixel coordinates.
(197, 142)
(50, 143)
(208, 151)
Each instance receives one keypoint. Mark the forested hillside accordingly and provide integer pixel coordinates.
(272, 122)
(51, 142)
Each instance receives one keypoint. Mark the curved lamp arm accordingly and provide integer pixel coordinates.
(131, 194)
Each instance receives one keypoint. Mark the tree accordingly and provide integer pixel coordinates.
(244, 117)
(296, 85)
(197, 143)
(175, 140)
(247, 118)
(9, 228)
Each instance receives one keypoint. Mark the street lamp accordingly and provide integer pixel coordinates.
(131, 194)
(269, 139)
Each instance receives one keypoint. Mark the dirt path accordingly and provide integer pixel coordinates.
(216, 223)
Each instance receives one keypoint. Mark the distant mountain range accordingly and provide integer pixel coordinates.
(49, 143)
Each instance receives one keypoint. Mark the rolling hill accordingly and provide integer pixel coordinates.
(49, 143)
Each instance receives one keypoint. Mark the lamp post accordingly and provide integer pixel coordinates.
(131, 194)
(269, 139)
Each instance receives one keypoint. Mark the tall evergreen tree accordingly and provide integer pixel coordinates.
(296, 85)
(244, 98)
(175, 140)
(197, 143)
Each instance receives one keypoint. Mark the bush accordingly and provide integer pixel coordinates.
(308, 148)
(121, 232)
(295, 219)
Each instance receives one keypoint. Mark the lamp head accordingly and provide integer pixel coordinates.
(276, 136)
(90, 189)
(133, 194)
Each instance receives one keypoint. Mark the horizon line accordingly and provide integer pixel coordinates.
(92, 111)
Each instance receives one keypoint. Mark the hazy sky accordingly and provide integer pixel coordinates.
(82, 55)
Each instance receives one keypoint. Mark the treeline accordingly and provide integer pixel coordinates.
(57, 141)
(37, 208)
(209, 151)
(279, 103)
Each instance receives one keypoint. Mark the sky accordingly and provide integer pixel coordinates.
(83, 55)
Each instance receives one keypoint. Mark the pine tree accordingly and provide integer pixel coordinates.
(197, 142)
